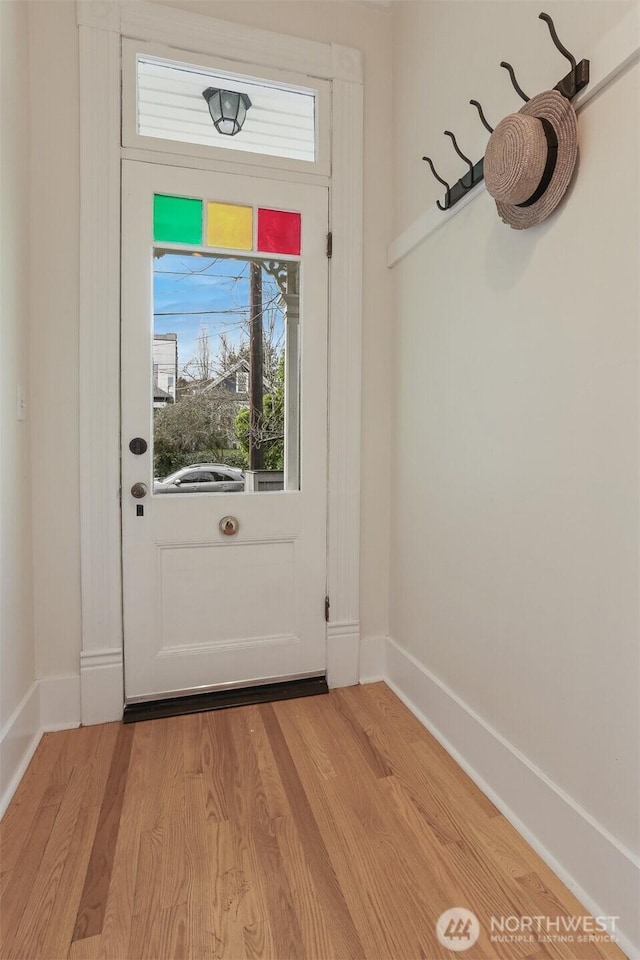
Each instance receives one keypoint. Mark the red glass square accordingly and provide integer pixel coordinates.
(278, 231)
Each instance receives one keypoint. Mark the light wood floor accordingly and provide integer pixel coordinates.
(326, 827)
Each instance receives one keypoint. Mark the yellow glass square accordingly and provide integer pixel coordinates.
(229, 226)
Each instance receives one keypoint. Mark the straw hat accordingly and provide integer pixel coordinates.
(530, 159)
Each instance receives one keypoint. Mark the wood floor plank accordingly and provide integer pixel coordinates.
(390, 869)
(404, 723)
(19, 816)
(79, 748)
(272, 785)
(146, 897)
(192, 741)
(163, 773)
(279, 913)
(138, 796)
(258, 942)
(314, 925)
(226, 781)
(377, 716)
(65, 908)
(99, 765)
(312, 837)
(16, 894)
(39, 904)
(344, 705)
(88, 949)
(216, 763)
(202, 939)
(310, 717)
(416, 765)
(90, 915)
(171, 938)
(173, 874)
(229, 908)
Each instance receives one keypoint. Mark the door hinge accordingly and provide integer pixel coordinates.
(329, 245)
(327, 605)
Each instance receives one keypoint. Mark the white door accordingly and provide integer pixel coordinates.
(224, 368)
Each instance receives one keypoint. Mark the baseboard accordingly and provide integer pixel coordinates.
(101, 690)
(373, 654)
(52, 703)
(18, 741)
(343, 653)
(59, 703)
(602, 873)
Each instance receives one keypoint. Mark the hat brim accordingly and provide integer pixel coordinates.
(555, 108)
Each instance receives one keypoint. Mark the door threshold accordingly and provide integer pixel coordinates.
(221, 699)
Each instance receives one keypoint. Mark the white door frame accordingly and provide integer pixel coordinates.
(102, 23)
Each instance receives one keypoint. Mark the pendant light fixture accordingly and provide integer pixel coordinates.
(228, 109)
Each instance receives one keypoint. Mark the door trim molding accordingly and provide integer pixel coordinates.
(101, 26)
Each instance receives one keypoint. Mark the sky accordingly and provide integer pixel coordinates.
(196, 293)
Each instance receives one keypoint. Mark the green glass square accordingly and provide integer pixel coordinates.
(177, 219)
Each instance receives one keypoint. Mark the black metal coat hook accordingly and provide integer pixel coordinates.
(478, 107)
(469, 163)
(516, 86)
(447, 198)
(569, 86)
(554, 36)
(578, 76)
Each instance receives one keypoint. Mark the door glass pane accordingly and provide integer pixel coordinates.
(225, 373)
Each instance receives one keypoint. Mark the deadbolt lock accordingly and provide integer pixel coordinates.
(138, 446)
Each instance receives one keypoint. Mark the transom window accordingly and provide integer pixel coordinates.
(166, 103)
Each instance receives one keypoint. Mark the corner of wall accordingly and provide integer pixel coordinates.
(49, 704)
(373, 659)
(19, 703)
(18, 741)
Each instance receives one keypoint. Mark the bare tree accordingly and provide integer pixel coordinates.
(201, 366)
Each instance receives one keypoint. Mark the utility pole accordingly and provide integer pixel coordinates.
(256, 378)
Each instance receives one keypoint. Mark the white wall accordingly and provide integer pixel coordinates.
(53, 110)
(16, 624)
(514, 544)
(17, 671)
(55, 148)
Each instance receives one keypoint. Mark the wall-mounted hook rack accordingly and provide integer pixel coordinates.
(569, 86)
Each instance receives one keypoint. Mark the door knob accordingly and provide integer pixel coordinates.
(228, 526)
(139, 490)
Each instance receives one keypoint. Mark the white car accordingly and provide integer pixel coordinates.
(202, 478)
